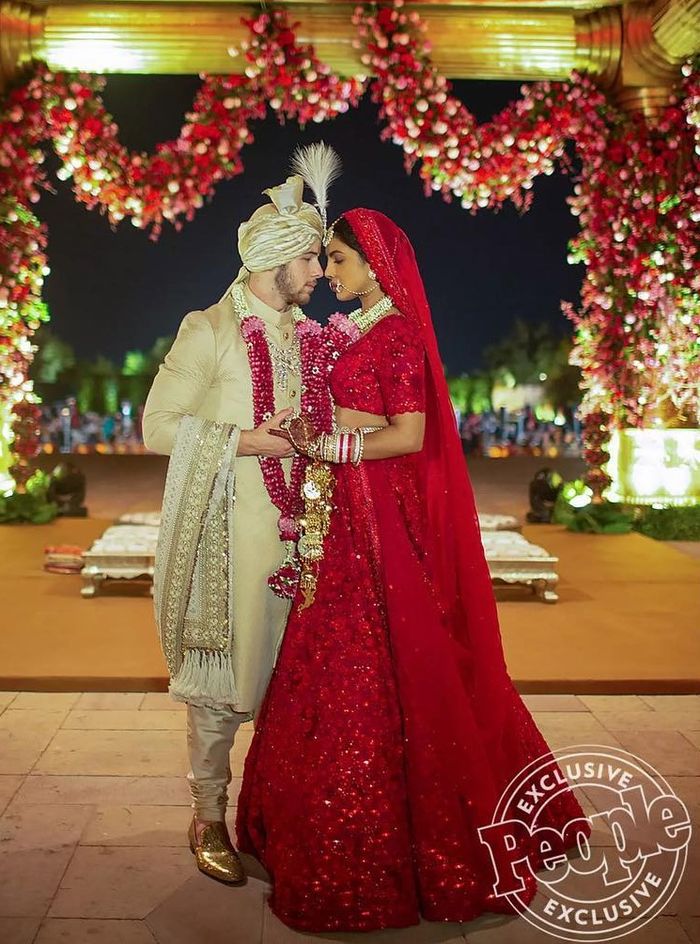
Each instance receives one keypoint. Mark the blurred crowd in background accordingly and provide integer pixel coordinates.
(492, 434)
(499, 434)
(521, 401)
(65, 429)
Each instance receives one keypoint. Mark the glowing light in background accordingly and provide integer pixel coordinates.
(655, 466)
(100, 54)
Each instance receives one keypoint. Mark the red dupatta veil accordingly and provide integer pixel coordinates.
(459, 564)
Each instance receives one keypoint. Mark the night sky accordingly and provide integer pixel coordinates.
(110, 292)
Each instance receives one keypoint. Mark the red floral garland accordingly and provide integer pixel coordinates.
(638, 328)
(285, 497)
(482, 165)
(319, 349)
(173, 182)
(167, 186)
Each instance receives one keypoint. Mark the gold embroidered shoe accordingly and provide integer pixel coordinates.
(215, 854)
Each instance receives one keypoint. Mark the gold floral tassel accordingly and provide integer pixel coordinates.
(317, 492)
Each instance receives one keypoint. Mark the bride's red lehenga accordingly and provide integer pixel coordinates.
(391, 726)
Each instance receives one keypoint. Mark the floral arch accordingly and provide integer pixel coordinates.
(637, 328)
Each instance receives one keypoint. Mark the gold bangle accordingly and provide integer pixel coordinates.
(360, 433)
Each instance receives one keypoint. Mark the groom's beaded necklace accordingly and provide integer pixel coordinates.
(285, 361)
(367, 319)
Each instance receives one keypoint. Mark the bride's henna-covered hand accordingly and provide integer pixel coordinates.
(300, 432)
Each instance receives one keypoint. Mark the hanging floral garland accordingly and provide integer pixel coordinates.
(318, 352)
(637, 333)
(482, 165)
(169, 185)
(638, 327)
(174, 181)
(23, 265)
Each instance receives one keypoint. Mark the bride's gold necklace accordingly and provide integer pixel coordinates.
(367, 319)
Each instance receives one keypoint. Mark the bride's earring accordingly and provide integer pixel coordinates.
(372, 276)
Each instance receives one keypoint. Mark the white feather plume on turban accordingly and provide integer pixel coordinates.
(279, 231)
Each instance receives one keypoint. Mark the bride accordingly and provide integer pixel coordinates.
(391, 725)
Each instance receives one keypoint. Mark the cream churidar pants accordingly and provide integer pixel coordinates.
(210, 736)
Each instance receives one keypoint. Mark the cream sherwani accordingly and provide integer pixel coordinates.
(206, 374)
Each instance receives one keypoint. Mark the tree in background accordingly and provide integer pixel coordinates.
(471, 393)
(107, 375)
(563, 384)
(527, 351)
(136, 371)
(528, 354)
(99, 385)
(536, 353)
(159, 350)
(53, 357)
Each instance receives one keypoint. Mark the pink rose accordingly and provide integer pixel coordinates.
(342, 323)
(308, 328)
(288, 528)
(250, 325)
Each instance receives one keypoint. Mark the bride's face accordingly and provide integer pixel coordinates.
(346, 271)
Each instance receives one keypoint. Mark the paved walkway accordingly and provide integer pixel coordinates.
(95, 810)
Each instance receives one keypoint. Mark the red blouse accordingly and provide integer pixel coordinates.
(383, 372)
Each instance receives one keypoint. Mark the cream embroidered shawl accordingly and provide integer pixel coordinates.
(193, 568)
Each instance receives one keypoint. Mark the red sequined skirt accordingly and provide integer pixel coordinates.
(367, 777)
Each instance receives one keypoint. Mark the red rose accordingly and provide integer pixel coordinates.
(204, 132)
(286, 38)
(60, 115)
(384, 19)
(93, 126)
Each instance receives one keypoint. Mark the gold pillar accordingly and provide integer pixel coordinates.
(658, 38)
(634, 48)
(21, 31)
(468, 42)
(599, 42)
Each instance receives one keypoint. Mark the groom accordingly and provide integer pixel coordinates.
(219, 622)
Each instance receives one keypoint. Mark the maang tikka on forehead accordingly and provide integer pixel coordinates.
(318, 165)
(329, 233)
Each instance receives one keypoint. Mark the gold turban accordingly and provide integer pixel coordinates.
(279, 231)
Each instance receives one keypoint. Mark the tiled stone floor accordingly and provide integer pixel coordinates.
(94, 812)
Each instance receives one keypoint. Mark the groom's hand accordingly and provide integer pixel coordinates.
(260, 442)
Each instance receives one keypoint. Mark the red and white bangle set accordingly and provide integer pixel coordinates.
(340, 446)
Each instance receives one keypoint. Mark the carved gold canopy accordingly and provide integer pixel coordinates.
(633, 48)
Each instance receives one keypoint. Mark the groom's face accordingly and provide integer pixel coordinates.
(296, 280)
